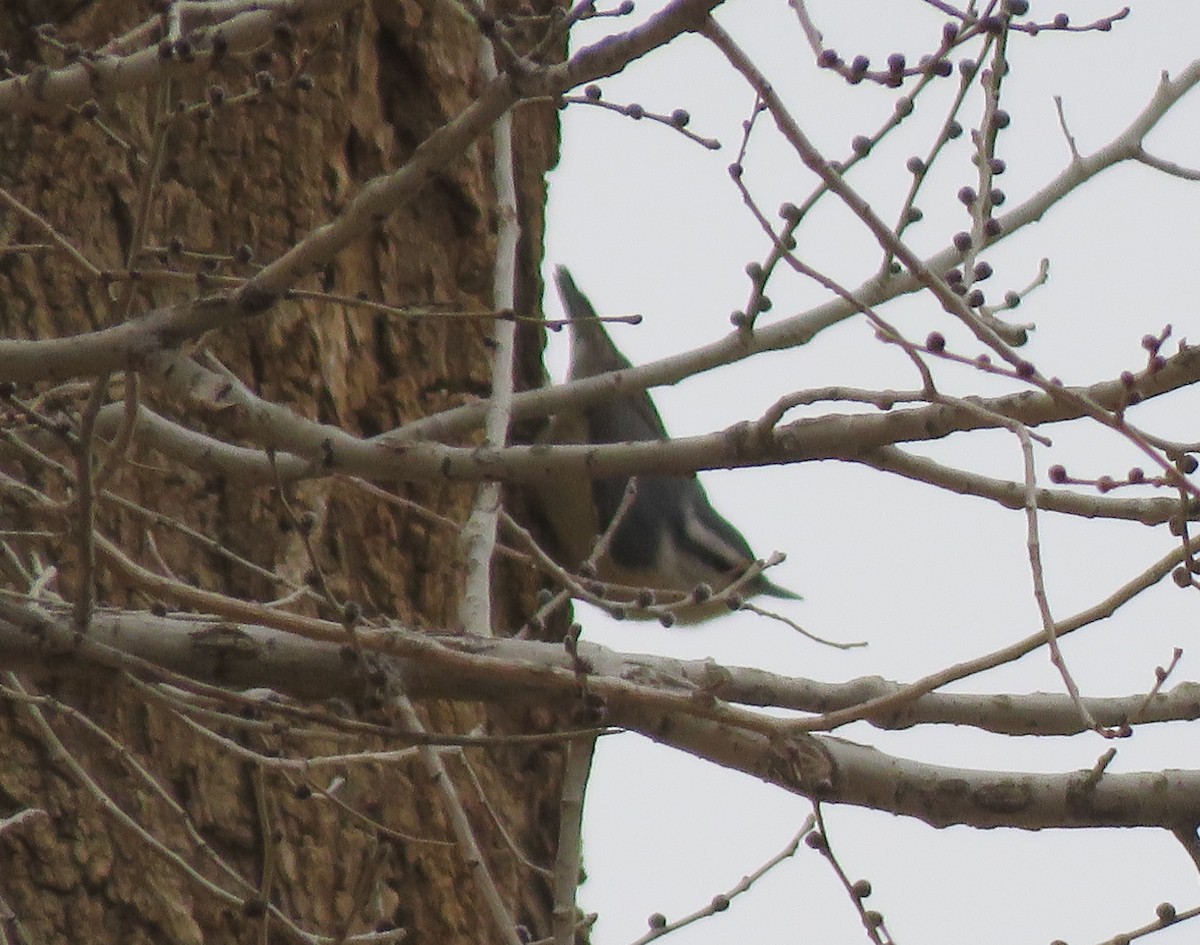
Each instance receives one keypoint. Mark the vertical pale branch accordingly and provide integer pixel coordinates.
(85, 506)
(570, 836)
(479, 535)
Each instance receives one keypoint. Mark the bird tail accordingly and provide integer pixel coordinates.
(771, 589)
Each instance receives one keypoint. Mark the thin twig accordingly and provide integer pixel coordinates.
(57, 238)
(721, 901)
(463, 832)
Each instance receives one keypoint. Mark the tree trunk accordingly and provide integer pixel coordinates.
(187, 183)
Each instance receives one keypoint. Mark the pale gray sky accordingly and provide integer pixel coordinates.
(649, 222)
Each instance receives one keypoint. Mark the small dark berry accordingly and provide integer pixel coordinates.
(915, 165)
(982, 271)
(1137, 475)
(967, 196)
(1186, 464)
(1012, 299)
(304, 82)
(1165, 912)
(1016, 7)
(1002, 118)
(953, 130)
(657, 921)
(754, 270)
(1128, 379)
(860, 64)
(264, 81)
(861, 145)
(1150, 343)
(720, 903)
(592, 93)
(790, 212)
(954, 275)
(991, 227)
(861, 889)
(966, 66)
(816, 841)
(997, 196)
(1025, 369)
(1061, 21)
(1058, 474)
(984, 360)
(962, 241)
(827, 59)
(635, 111)
(915, 215)
(936, 341)
(1105, 484)
(680, 118)
(997, 166)
(735, 171)
(975, 298)
(942, 68)
(949, 33)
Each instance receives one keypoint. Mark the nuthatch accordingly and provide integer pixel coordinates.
(669, 537)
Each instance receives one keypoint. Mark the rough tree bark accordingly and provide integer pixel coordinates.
(243, 180)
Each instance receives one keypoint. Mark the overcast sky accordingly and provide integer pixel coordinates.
(650, 223)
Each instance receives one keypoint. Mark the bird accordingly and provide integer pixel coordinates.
(669, 545)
